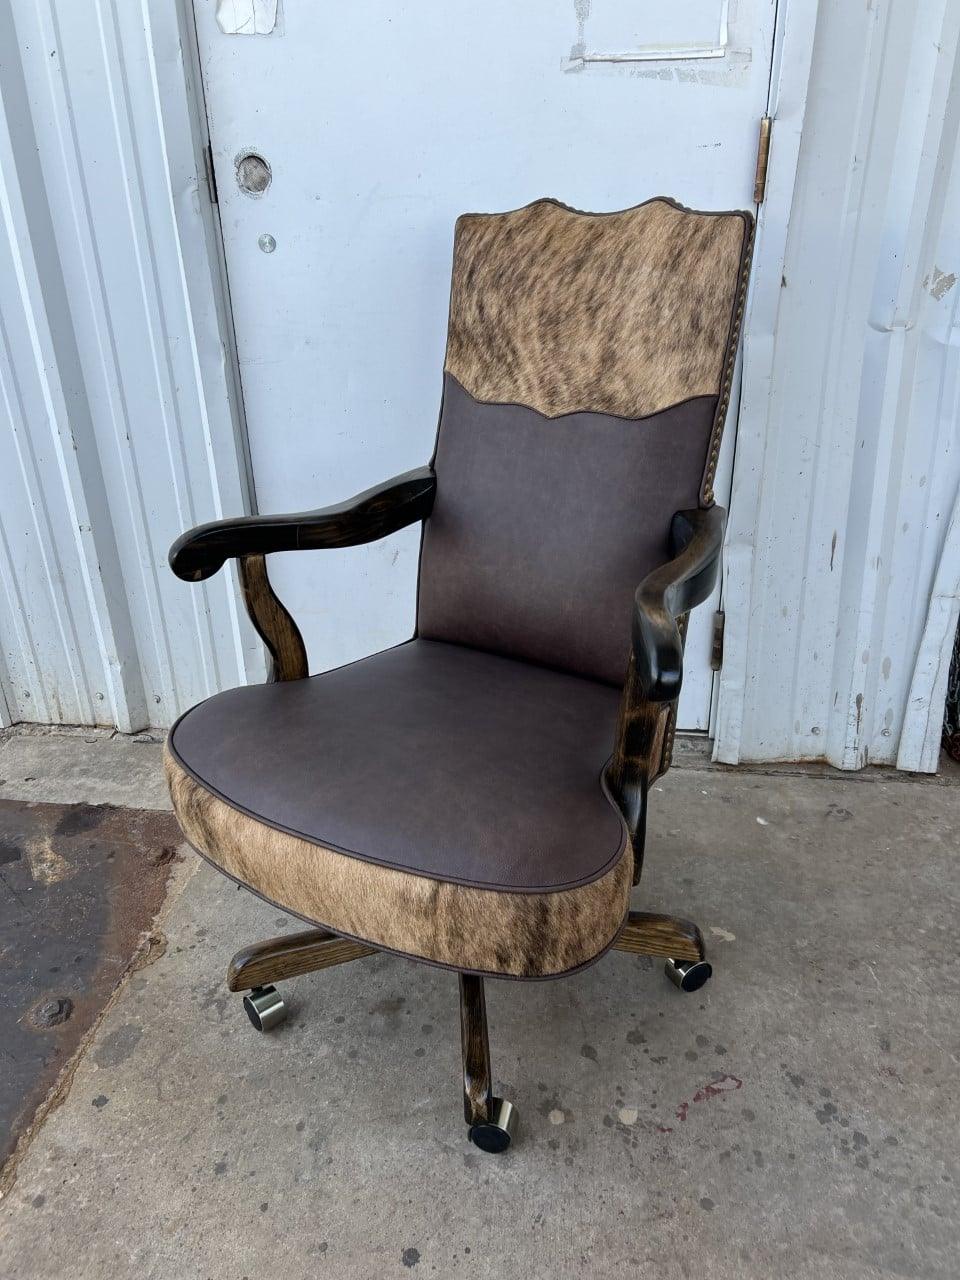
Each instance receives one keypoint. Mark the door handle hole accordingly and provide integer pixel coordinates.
(254, 175)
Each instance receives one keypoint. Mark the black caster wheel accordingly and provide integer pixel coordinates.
(495, 1134)
(688, 975)
(265, 1008)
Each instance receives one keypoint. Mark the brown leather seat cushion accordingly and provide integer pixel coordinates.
(432, 800)
(430, 758)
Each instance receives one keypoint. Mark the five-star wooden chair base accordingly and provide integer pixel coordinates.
(491, 1121)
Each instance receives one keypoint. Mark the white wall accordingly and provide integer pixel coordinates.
(848, 464)
(117, 425)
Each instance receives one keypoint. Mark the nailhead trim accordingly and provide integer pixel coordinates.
(723, 404)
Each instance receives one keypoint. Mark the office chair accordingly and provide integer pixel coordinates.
(475, 798)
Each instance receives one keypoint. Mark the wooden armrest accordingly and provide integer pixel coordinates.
(656, 663)
(384, 509)
(669, 591)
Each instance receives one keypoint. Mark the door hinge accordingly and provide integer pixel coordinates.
(211, 174)
(763, 158)
(716, 641)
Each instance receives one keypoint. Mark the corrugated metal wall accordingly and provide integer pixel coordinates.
(848, 463)
(118, 413)
(116, 393)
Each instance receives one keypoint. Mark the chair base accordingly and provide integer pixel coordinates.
(290, 956)
(491, 1121)
(647, 934)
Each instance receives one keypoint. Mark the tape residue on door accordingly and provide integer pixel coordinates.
(247, 17)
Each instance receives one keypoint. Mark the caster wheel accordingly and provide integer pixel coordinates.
(495, 1134)
(688, 975)
(265, 1008)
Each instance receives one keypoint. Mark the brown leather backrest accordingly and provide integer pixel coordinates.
(588, 368)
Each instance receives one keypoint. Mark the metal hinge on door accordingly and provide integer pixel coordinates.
(716, 641)
(210, 174)
(763, 158)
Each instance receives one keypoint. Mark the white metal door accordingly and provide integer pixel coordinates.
(368, 128)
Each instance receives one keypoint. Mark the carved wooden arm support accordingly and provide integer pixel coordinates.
(273, 622)
(669, 592)
(201, 552)
(655, 671)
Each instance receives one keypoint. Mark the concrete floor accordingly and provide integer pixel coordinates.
(80, 886)
(796, 1118)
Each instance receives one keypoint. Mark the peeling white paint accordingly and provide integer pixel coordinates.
(682, 30)
(939, 282)
(247, 17)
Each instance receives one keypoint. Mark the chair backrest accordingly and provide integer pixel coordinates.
(588, 369)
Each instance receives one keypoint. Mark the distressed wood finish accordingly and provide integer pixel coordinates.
(640, 728)
(662, 602)
(647, 934)
(669, 592)
(201, 552)
(274, 625)
(475, 1044)
(670, 715)
(289, 957)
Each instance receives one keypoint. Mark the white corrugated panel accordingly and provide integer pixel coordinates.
(117, 387)
(848, 466)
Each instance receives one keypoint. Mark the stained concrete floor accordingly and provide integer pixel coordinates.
(80, 885)
(796, 1118)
